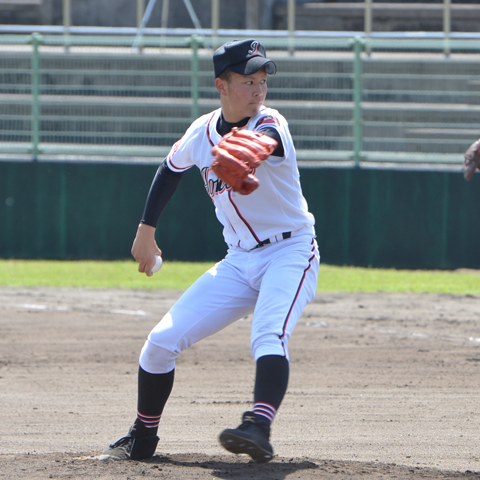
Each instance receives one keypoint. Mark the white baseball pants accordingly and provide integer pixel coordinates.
(275, 282)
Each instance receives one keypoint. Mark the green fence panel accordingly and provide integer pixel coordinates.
(82, 210)
(365, 217)
(395, 218)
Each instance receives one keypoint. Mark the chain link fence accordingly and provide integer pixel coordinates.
(348, 100)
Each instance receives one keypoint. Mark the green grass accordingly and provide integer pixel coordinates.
(354, 279)
(118, 274)
(180, 275)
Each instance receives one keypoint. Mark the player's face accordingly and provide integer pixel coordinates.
(243, 95)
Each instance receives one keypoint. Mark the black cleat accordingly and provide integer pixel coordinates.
(251, 437)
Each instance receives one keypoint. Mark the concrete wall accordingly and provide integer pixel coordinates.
(30, 12)
(121, 13)
(386, 17)
(310, 15)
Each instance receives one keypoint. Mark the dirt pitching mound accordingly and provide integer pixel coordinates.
(381, 386)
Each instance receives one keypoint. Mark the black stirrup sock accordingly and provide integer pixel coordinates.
(153, 392)
(271, 383)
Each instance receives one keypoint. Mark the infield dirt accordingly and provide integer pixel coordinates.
(381, 386)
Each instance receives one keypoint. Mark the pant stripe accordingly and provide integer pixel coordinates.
(298, 291)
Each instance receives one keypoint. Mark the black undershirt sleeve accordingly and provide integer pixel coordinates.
(161, 191)
(273, 133)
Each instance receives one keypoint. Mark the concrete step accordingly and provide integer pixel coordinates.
(411, 102)
(327, 126)
(411, 79)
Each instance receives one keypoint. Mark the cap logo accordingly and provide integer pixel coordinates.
(253, 48)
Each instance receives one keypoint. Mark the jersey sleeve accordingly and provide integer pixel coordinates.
(271, 126)
(273, 133)
(266, 121)
(272, 123)
(180, 157)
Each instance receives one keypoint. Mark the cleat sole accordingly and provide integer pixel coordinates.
(236, 444)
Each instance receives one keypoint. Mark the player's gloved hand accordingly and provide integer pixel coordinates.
(471, 160)
(145, 248)
(237, 153)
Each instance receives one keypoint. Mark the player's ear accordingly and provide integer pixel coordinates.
(220, 85)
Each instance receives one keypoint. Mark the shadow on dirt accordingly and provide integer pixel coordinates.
(206, 467)
(240, 468)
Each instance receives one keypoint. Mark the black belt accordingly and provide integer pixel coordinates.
(285, 235)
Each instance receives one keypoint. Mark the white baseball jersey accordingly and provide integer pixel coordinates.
(279, 196)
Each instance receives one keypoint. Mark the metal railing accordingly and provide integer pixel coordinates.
(86, 97)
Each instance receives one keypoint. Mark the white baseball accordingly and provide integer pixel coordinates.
(158, 264)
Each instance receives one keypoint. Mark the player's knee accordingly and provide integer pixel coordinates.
(269, 345)
(156, 359)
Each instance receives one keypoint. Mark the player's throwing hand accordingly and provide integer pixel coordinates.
(145, 249)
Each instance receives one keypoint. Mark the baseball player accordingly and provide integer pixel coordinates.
(270, 270)
(471, 160)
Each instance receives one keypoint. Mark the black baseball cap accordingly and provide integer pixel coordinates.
(242, 56)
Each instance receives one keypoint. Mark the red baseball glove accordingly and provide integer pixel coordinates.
(237, 153)
(471, 160)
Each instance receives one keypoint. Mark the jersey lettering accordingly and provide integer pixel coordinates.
(215, 186)
(212, 186)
